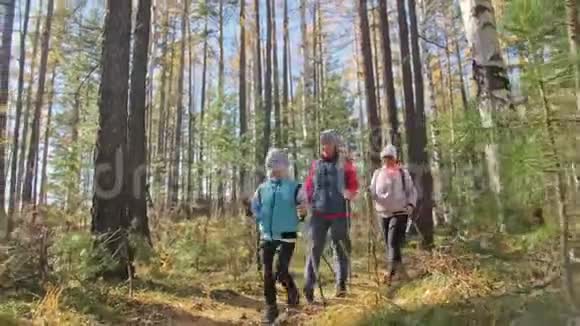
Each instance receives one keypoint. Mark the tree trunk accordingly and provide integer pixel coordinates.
(268, 84)
(421, 168)
(150, 97)
(109, 214)
(191, 120)
(449, 73)
(137, 186)
(572, 26)
(417, 68)
(42, 196)
(292, 113)
(372, 116)
(5, 54)
(359, 73)
(170, 148)
(315, 79)
(158, 177)
(461, 78)
(28, 108)
(492, 82)
(202, 107)
(221, 101)
(174, 198)
(285, 76)
(388, 77)
(321, 61)
(242, 93)
(377, 66)
(306, 73)
(34, 135)
(168, 138)
(443, 83)
(16, 137)
(258, 93)
(407, 79)
(73, 191)
(438, 201)
(560, 197)
(221, 64)
(277, 113)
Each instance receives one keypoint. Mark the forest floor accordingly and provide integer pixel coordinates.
(483, 280)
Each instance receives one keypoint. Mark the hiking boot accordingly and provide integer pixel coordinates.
(340, 291)
(309, 295)
(293, 296)
(270, 314)
(401, 272)
(386, 278)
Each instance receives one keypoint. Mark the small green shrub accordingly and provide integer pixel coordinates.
(78, 256)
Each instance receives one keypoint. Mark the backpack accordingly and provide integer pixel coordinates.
(341, 176)
(403, 181)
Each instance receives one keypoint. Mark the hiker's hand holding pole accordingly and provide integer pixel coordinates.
(349, 195)
(302, 211)
(410, 210)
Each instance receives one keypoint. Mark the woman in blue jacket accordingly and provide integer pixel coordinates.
(275, 205)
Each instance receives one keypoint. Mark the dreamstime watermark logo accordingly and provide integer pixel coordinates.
(110, 178)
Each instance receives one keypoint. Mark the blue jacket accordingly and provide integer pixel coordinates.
(275, 207)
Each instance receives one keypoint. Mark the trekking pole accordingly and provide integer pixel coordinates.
(348, 254)
(413, 223)
(317, 275)
(328, 264)
(258, 258)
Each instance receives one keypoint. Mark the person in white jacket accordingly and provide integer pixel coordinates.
(395, 197)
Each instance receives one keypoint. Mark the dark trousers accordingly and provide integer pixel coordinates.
(394, 233)
(282, 274)
(340, 243)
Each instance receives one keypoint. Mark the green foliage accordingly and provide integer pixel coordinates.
(538, 22)
(511, 310)
(78, 89)
(8, 320)
(143, 253)
(77, 256)
(93, 301)
(14, 307)
(461, 144)
(337, 106)
(335, 112)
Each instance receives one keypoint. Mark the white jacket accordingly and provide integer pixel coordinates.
(387, 191)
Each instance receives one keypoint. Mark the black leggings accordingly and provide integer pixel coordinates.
(394, 233)
(282, 274)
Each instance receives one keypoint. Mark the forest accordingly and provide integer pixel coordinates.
(134, 134)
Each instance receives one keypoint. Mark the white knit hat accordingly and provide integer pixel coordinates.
(277, 159)
(390, 151)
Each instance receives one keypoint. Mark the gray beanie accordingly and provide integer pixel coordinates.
(330, 137)
(277, 159)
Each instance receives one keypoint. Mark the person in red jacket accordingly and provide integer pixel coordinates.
(330, 186)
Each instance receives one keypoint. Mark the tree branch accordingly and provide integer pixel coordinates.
(432, 42)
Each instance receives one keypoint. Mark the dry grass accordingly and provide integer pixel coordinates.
(203, 273)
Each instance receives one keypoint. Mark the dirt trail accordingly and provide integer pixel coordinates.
(230, 307)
